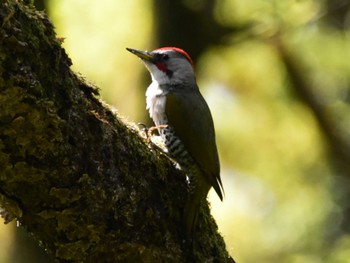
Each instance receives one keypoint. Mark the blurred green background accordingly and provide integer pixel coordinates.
(276, 75)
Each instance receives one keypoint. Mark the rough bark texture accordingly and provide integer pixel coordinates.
(79, 178)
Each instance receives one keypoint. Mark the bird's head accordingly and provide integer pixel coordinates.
(168, 65)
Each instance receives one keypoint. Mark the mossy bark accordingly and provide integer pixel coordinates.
(73, 173)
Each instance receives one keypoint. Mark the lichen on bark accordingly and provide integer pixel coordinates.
(79, 178)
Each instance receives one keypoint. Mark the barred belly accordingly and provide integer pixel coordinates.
(178, 152)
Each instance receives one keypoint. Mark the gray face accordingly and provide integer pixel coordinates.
(170, 67)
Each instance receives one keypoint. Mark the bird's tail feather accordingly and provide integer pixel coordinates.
(192, 207)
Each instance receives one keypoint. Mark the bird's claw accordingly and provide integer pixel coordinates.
(149, 131)
(153, 128)
(144, 127)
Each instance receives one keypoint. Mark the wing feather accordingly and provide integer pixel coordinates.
(189, 115)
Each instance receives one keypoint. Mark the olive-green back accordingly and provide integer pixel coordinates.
(189, 115)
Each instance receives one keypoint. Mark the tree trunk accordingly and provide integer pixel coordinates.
(73, 173)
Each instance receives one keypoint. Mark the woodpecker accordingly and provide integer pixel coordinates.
(185, 124)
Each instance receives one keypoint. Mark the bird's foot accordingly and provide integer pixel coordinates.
(153, 128)
(156, 142)
(149, 130)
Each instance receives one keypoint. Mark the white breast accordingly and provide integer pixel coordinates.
(156, 101)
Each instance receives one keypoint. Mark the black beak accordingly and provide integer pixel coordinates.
(144, 55)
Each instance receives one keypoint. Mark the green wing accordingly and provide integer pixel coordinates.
(189, 115)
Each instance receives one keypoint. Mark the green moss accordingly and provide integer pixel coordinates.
(11, 207)
(64, 195)
(74, 174)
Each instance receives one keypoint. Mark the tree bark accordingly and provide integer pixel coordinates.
(76, 175)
